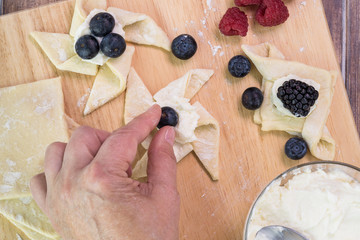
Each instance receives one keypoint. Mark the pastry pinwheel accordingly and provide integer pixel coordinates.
(270, 62)
(196, 130)
(111, 73)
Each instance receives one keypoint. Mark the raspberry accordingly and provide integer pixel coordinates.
(234, 22)
(244, 3)
(272, 13)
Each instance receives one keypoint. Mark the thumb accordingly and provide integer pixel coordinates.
(162, 162)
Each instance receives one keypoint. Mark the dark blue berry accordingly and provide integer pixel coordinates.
(239, 66)
(295, 148)
(87, 47)
(184, 46)
(252, 98)
(102, 24)
(113, 45)
(169, 117)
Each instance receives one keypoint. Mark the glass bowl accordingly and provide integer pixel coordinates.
(282, 179)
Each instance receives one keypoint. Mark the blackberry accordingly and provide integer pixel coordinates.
(298, 97)
(295, 148)
(239, 66)
(184, 46)
(169, 117)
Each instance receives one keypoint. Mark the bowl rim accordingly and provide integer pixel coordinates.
(247, 222)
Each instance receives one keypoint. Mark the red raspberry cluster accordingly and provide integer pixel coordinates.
(269, 13)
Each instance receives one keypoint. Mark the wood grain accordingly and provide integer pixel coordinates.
(343, 17)
(249, 158)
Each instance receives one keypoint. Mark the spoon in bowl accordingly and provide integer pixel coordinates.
(276, 232)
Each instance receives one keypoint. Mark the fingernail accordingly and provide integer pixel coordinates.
(170, 135)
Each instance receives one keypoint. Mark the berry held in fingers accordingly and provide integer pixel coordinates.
(169, 117)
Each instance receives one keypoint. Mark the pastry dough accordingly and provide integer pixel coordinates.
(82, 9)
(110, 79)
(140, 28)
(60, 50)
(31, 117)
(26, 213)
(110, 82)
(30, 233)
(271, 64)
(138, 99)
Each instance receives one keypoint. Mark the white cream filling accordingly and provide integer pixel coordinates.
(84, 29)
(320, 205)
(279, 104)
(188, 118)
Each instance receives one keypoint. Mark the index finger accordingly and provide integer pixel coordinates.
(119, 149)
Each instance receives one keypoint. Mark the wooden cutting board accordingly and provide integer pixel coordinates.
(249, 158)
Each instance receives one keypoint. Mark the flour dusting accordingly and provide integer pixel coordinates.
(11, 177)
(81, 102)
(5, 188)
(45, 106)
(62, 55)
(18, 237)
(10, 163)
(26, 200)
(221, 96)
(214, 49)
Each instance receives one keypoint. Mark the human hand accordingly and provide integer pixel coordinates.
(87, 193)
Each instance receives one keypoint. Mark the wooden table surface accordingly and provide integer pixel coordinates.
(344, 22)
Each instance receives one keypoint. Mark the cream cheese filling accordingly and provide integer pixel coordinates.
(279, 104)
(319, 204)
(188, 118)
(84, 29)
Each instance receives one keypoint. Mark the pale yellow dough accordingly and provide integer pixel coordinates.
(271, 64)
(26, 213)
(60, 50)
(31, 117)
(138, 99)
(110, 81)
(140, 28)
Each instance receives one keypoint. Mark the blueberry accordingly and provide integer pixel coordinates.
(184, 46)
(87, 47)
(295, 148)
(169, 117)
(113, 45)
(239, 66)
(102, 24)
(252, 98)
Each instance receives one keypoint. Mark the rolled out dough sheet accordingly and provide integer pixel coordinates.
(31, 117)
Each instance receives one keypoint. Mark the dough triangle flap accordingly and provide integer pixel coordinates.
(206, 146)
(110, 81)
(58, 47)
(82, 9)
(140, 28)
(186, 86)
(26, 212)
(31, 234)
(138, 99)
(77, 65)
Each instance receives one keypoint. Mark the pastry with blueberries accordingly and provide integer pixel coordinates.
(297, 100)
(195, 129)
(97, 45)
